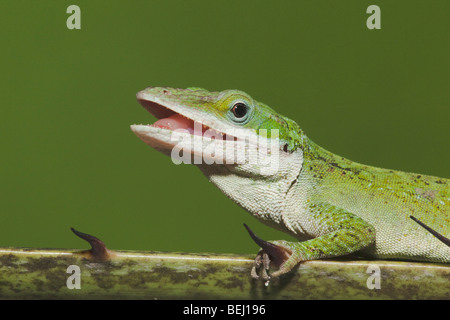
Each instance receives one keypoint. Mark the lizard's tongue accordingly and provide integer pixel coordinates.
(177, 121)
(174, 122)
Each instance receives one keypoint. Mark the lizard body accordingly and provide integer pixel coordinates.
(332, 205)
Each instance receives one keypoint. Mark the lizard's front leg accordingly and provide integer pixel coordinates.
(343, 233)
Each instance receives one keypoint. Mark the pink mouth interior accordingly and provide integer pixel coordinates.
(177, 121)
(168, 119)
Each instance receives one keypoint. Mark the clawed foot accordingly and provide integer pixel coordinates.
(276, 253)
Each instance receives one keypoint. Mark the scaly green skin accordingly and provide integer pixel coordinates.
(394, 195)
(332, 205)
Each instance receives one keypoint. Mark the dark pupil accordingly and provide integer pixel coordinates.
(239, 110)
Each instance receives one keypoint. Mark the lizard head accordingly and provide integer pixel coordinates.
(215, 120)
(234, 139)
(230, 112)
(196, 122)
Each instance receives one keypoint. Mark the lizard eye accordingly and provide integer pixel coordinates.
(239, 110)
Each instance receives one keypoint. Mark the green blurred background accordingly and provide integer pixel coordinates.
(69, 159)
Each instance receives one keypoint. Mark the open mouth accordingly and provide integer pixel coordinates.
(171, 120)
(192, 135)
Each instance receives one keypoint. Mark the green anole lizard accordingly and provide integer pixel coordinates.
(333, 206)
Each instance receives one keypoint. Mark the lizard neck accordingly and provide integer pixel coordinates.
(261, 195)
(320, 163)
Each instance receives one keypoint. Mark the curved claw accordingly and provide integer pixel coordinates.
(270, 252)
(98, 250)
(262, 260)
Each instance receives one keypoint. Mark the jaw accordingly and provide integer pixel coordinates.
(190, 130)
(187, 127)
(158, 138)
(268, 169)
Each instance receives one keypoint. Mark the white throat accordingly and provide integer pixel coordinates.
(261, 195)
